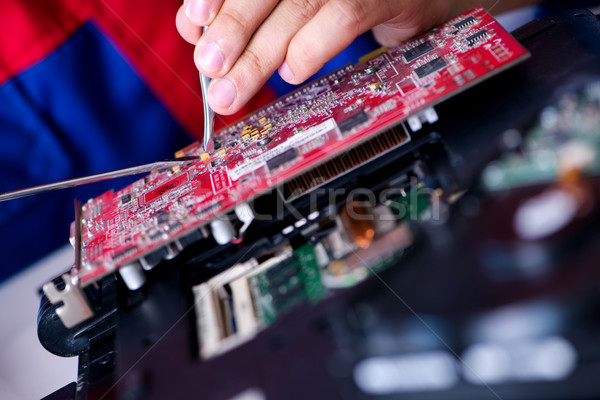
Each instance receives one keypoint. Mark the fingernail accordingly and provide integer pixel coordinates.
(222, 93)
(197, 11)
(210, 58)
(286, 73)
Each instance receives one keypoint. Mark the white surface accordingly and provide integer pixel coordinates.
(27, 370)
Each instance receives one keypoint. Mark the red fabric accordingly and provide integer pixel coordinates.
(32, 29)
(145, 32)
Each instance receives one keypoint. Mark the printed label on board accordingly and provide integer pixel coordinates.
(165, 188)
(296, 141)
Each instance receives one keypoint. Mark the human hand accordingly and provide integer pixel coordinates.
(248, 40)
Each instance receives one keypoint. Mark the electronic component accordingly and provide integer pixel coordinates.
(224, 319)
(563, 140)
(234, 305)
(431, 67)
(222, 230)
(353, 121)
(419, 51)
(475, 38)
(133, 276)
(294, 281)
(372, 148)
(465, 23)
(358, 223)
(279, 160)
(302, 141)
(126, 198)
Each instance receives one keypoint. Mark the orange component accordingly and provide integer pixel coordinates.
(358, 222)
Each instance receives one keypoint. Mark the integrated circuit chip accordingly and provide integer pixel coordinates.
(431, 67)
(285, 157)
(163, 218)
(473, 39)
(124, 253)
(465, 22)
(353, 121)
(419, 51)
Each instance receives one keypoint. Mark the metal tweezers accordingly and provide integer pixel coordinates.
(140, 169)
(209, 114)
(208, 145)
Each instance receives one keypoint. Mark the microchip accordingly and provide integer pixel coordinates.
(124, 253)
(353, 121)
(418, 51)
(464, 23)
(174, 226)
(273, 272)
(473, 39)
(156, 235)
(285, 157)
(126, 198)
(431, 67)
(204, 211)
(163, 218)
(284, 277)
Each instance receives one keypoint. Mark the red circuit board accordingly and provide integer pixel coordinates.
(281, 141)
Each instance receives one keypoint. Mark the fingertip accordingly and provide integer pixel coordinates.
(189, 32)
(197, 12)
(286, 73)
(222, 95)
(209, 59)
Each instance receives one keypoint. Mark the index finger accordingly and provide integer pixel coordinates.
(193, 15)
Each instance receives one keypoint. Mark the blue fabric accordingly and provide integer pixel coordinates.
(82, 110)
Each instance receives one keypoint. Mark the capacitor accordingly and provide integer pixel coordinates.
(370, 70)
(133, 276)
(222, 231)
(265, 140)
